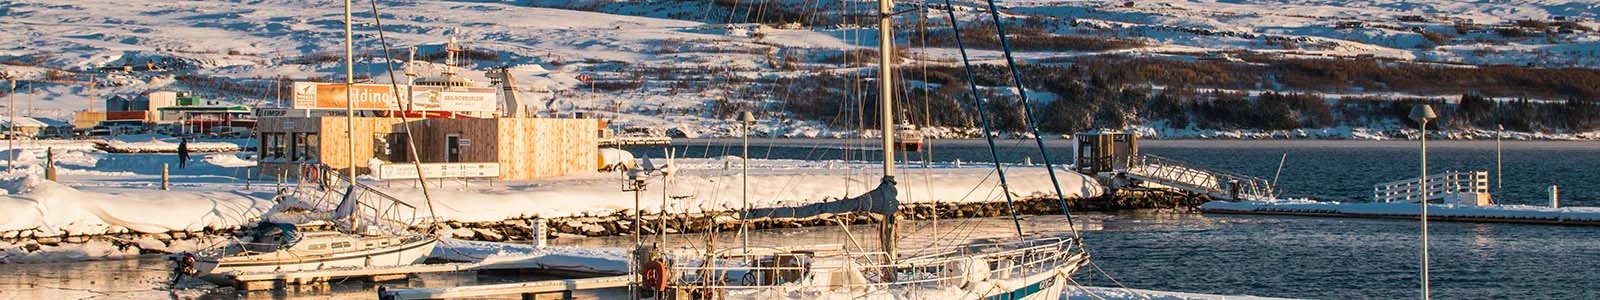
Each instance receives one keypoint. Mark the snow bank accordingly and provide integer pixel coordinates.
(229, 161)
(703, 185)
(33, 206)
(153, 143)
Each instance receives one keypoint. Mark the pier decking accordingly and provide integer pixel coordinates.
(554, 289)
(1524, 214)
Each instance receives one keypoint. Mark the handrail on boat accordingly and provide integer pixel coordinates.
(926, 269)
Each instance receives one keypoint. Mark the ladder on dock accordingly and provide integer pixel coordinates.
(1470, 187)
(1178, 175)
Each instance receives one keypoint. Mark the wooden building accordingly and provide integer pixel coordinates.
(520, 148)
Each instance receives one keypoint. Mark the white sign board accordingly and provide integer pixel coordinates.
(438, 170)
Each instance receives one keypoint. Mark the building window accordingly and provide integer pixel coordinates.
(391, 147)
(312, 145)
(276, 146)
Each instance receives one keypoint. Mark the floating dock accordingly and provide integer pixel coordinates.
(547, 289)
(1523, 214)
(279, 280)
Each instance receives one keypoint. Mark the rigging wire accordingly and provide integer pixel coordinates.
(972, 84)
(1033, 124)
(410, 142)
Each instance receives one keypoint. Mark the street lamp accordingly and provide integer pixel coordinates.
(1422, 113)
(635, 182)
(1499, 173)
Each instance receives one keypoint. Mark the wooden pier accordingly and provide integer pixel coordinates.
(279, 280)
(547, 289)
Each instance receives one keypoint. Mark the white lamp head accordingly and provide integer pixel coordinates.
(1422, 113)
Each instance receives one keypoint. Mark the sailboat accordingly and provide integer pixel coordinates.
(277, 244)
(1029, 267)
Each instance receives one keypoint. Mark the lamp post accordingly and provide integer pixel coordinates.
(744, 226)
(1499, 173)
(635, 182)
(1422, 113)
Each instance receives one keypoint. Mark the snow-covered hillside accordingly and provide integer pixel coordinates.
(664, 65)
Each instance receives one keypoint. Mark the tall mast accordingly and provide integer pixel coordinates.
(886, 236)
(349, 98)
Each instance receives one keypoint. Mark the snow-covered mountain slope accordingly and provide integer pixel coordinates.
(661, 65)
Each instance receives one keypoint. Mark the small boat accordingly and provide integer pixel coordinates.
(279, 247)
(277, 244)
(907, 138)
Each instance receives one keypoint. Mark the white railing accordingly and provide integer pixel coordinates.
(325, 190)
(1438, 187)
(1173, 173)
(735, 271)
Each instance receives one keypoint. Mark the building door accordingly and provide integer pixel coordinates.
(452, 148)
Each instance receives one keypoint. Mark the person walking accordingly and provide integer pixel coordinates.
(183, 154)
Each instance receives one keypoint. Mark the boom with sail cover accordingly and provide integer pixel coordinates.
(880, 200)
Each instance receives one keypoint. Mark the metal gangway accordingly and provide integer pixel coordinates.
(1216, 184)
(1470, 187)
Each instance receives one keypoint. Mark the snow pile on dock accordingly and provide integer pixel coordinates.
(520, 256)
(1112, 293)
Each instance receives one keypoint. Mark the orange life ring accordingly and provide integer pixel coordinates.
(309, 173)
(655, 275)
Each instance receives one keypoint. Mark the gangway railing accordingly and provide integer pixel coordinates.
(1438, 187)
(1217, 184)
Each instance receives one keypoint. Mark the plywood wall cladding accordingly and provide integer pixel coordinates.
(333, 140)
(540, 148)
(525, 148)
(477, 139)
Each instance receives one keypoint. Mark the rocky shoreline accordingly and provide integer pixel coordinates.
(25, 242)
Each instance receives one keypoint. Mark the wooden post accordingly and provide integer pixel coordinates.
(49, 164)
(164, 185)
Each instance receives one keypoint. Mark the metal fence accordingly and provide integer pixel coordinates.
(1438, 186)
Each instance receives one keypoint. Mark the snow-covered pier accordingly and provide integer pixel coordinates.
(1525, 214)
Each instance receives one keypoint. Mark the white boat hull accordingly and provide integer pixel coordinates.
(217, 270)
